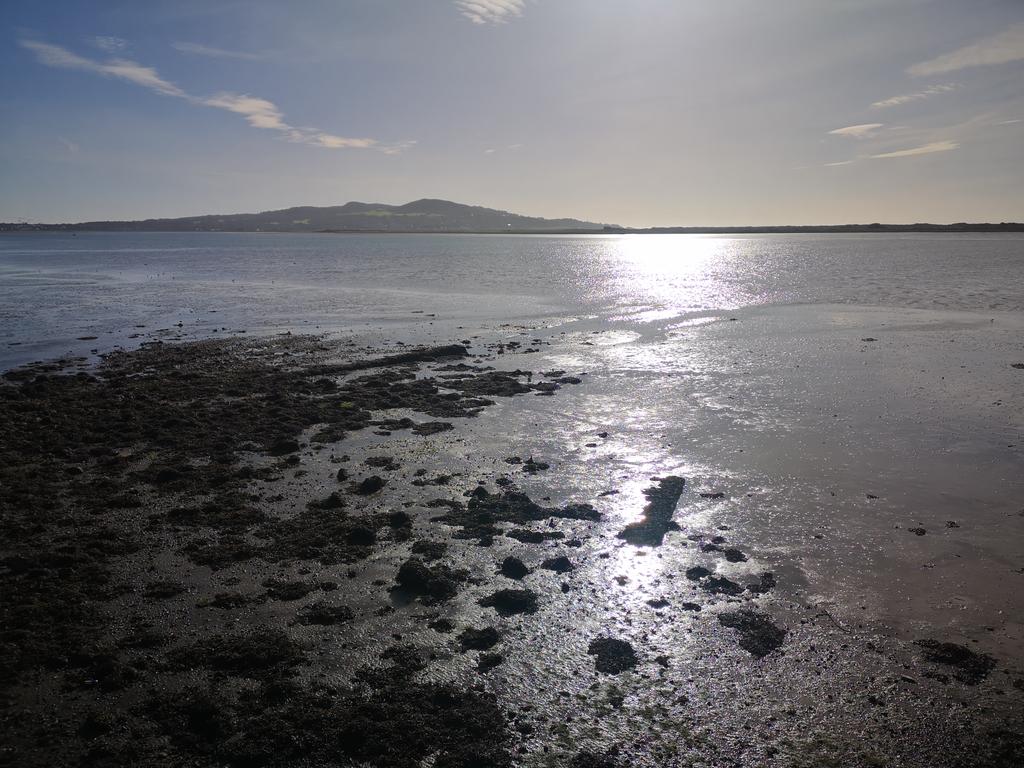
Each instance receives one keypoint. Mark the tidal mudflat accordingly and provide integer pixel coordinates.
(299, 551)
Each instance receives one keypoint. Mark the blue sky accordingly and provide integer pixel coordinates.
(643, 112)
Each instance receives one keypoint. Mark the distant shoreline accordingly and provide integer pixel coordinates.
(740, 230)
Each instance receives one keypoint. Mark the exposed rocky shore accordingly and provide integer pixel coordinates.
(204, 561)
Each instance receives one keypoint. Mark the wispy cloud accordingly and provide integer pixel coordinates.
(862, 131)
(841, 162)
(932, 90)
(925, 149)
(1001, 48)
(258, 112)
(508, 148)
(55, 56)
(490, 11)
(109, 44)
(69, 145)
(215, 53)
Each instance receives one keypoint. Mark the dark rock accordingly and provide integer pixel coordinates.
(918, 531)
(758, 634)
(697, 572)
(322, 614)
(229, 600)
(479, 518)
(969, 666)
(721, 585)
(432, 427)
(766, 583)
(283, 447)
(513, 568)
(593, 760)
(334, 501)
(715, 495)
(161, 590)
(613, 656)
(422, 355)
(360, 535)
(287, 590)
(657, 520)
(560, 564)
(533, 467)
(249, 654)
(369, 485)
(479, 639)
(429, 550)
(508, 602)
(488, 661)
(734, 555)
(432, 583)
(442, 625)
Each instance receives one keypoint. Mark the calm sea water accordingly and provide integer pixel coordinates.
(57, 287)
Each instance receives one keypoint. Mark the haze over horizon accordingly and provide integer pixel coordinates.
(652, 113)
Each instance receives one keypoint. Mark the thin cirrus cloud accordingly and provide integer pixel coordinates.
(1001, 48)
(215, 53)
(925, 149)
(109, 43)
(259, 113)
(863, 131)
(490, 11)
(122, 69)
(906, 98)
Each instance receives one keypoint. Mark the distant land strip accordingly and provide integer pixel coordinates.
(430, 216)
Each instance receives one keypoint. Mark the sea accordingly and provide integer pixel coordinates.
(843, 392)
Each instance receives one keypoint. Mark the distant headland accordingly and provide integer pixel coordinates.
(443, 216)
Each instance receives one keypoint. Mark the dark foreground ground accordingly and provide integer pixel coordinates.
(202, 563)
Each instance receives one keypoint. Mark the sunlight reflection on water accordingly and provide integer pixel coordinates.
(677, 273)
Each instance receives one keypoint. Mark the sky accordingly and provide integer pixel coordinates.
(632, 112)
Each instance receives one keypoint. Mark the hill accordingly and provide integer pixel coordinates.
(425, 215)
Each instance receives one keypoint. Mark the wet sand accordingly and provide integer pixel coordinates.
(294, 551)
